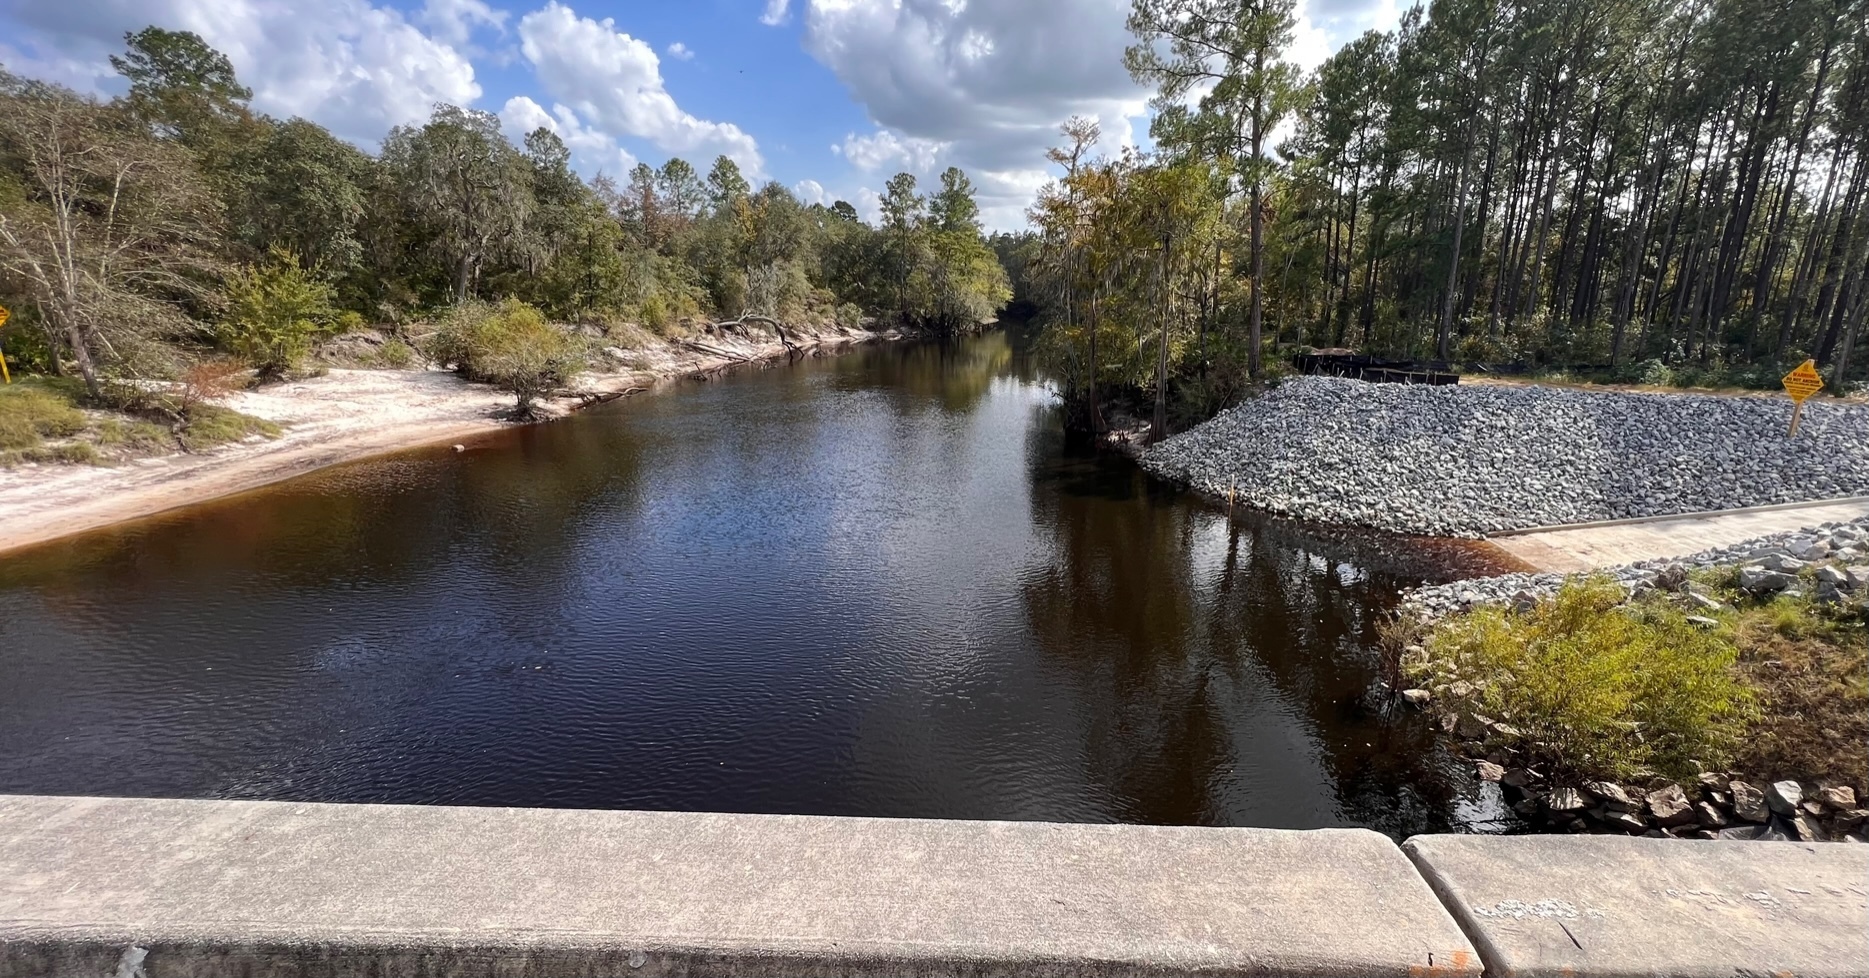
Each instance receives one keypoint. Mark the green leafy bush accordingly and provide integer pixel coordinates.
(396, 354)
(512, 347)
(656, 314)
(275, 311)
(1654, 373)
(1598, 687)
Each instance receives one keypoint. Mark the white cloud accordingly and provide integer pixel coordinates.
(775, 12)
(982, 85)
(1310, 45)
(680, 52)
(810, 191)
(592, 152)
(354, 67)
(869, 205)
(885, 148)
(615, 81)
(1326, 25)
(453, 21)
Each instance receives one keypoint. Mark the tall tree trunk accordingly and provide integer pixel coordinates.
(463, 270)
(1254, 328)
(1159, 429)
(1443, 349)
(1776, 236)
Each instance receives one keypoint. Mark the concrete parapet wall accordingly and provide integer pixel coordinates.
(139, 888)
(94, 886)
(1547, 906)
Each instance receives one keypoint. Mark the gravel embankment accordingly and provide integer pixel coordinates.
(1768, 564)
(1472, 460)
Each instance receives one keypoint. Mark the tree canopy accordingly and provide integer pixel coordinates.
(138, 232)
(1640, 189)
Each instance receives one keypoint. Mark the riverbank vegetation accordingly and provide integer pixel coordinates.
(51, 419)
(149, 233)
(510, 346)
(1592, 684)
(1658, 191)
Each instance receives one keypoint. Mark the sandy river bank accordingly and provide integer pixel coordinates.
(341, 416)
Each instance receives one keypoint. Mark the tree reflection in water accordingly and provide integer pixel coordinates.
(871, 585)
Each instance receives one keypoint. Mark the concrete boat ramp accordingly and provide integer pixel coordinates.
(1590, 546)
(142, 888)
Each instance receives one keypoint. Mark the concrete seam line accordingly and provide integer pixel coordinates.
(1699, 515)
(1444, 890)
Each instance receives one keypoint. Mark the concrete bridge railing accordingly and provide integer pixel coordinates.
(161, 888)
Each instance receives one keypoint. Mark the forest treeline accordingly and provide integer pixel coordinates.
(145, 231)
(1667, 190)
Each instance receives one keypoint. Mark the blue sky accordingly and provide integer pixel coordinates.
(829, 97)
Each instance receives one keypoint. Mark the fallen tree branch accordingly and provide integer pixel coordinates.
(739, 325)
(594, 398)
(716, 351)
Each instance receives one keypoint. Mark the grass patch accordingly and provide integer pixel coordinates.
(40, 422)
(211, 424)
(133, 436)
(1597, 687)
(1807, 665)
(35, 409)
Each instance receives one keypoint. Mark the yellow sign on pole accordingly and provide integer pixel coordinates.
(1801, 384)
(1804, 381)
(3, 372)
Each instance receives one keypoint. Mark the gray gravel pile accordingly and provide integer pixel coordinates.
(1471, 460)
(1768, 565)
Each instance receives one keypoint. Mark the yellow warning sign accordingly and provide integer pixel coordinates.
(1804, 381)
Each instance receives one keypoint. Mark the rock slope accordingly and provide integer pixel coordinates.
(1476, 459)
(1768, 565)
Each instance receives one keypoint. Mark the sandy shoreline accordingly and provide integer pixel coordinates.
(342, 416)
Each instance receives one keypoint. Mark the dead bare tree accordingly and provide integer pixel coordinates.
(113, 227)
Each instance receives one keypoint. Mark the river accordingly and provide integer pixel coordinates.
(876, 584)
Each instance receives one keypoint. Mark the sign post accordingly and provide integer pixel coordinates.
(3, 371)
(1801, 384)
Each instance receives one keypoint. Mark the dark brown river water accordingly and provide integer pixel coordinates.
(878, 584)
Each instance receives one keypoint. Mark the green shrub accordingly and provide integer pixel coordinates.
(1598, 687)
(656, 315)
(1654, 373)
(396, 354)
(850, 316)
(275, 311)
(512, 347)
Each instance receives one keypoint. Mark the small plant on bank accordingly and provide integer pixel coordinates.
(512, 347)
(275, 311)
(395, 354)
(185, 410)
(1598, 687)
